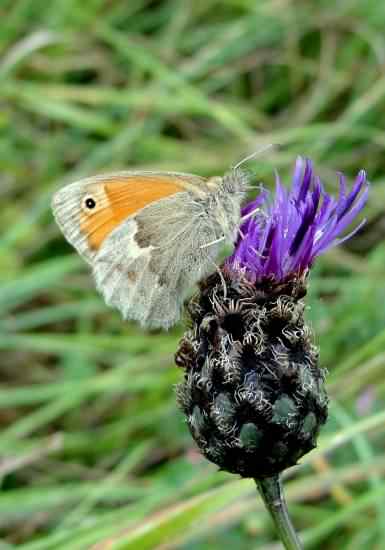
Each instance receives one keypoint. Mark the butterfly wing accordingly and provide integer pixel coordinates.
(149, 262)
(116, 197)
(132, 228)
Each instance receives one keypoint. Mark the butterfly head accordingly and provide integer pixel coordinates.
(226, 196)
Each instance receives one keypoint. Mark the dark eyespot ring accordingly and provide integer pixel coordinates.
(90, 203)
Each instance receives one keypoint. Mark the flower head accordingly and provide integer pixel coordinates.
(253, 393)
(282, 238)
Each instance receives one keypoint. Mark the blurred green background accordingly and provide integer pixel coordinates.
(93, 452)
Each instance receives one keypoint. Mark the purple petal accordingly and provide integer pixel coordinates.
(281, 238)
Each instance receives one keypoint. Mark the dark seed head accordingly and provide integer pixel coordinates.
(253, 393)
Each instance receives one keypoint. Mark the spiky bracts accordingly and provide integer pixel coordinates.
(253, 393)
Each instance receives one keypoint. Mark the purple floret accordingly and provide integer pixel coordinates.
(282, 238)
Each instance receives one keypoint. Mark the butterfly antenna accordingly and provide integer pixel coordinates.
(255, 154)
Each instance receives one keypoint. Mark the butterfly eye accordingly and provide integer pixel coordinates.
(89, 203)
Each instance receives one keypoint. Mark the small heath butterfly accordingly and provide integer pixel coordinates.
(149, 236)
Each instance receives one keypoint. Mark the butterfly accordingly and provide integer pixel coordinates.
(149, 236)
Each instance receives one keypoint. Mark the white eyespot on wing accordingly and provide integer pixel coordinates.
(66, 207)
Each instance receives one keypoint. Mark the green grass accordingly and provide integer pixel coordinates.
(92, 448)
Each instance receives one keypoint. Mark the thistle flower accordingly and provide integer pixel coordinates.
(284, 238)
(253, 392)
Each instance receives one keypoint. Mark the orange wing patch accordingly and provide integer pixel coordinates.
(118, 198)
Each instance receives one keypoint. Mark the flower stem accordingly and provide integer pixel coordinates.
(270, 489)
